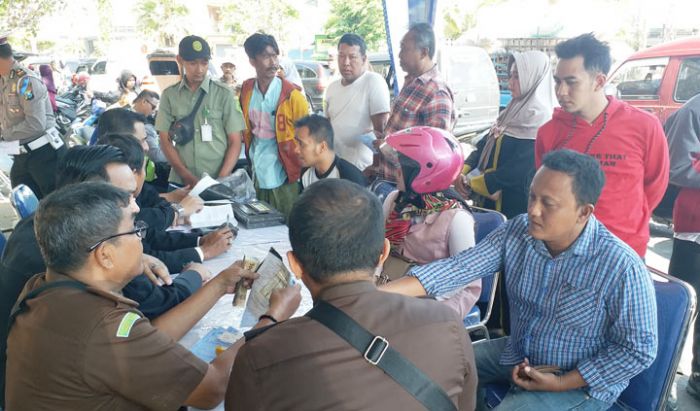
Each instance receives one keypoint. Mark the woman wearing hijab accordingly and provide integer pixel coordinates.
(127, 89)
(501, 168)
(289, 72)
(47, 78)
(425, 219)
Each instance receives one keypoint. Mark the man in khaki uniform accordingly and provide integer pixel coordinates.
(303, 365)
(76, 343)
(216, 145)
(26, 118)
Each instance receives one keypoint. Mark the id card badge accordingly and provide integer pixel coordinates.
(207, 133)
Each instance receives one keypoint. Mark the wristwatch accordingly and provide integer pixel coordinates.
(180, 210)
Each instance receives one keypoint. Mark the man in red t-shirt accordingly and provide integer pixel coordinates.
(629, 143)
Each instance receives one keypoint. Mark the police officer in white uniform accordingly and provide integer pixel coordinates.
(27, 125)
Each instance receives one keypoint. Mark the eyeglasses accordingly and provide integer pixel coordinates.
(140, 228)
(152, 104)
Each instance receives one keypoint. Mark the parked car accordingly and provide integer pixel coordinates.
(315, 75)
(472, 78)
(164, 71)
(505, 94)
(659, 79)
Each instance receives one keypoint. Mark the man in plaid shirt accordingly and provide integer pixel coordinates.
(424, 100)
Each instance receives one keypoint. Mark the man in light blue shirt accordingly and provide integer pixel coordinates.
(580, 299)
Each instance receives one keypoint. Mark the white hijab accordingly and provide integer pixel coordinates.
(290, 71)
(528, 112)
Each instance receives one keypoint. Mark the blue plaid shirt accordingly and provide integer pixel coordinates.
(591, 308)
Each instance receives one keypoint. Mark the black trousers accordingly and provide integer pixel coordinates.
(37, 169)
(685, 265)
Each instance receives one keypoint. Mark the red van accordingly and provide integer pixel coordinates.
(659, 79)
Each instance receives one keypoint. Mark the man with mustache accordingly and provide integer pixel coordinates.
(270, 107)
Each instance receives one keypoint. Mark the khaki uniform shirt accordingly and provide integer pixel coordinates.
(220, 110)
(25, 109)
(93, 350)
(302, 365)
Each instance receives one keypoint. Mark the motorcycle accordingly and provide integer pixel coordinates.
(71, 106)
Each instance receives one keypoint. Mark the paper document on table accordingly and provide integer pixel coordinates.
(205, 182)
(272, 275)
(213, 215)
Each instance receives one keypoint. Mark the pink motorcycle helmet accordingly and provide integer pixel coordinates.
(436, 155)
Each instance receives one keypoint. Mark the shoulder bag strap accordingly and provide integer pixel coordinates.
(199, 103)
(21, 307)
(376, 351)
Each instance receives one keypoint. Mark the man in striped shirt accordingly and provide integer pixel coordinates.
(580, 299)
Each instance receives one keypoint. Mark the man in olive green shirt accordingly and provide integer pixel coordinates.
(217, 139)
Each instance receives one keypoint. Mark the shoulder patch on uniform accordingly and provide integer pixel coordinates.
(25, 88)
(127, 324)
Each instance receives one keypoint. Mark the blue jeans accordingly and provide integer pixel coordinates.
(488, 353)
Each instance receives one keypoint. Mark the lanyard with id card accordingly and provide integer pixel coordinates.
(207, 135)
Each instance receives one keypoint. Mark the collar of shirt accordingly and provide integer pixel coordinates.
(204, 86)
(336, 291)
(329, 171)
(117, 298)
(583, 245)
(425, 77)
(275, 86)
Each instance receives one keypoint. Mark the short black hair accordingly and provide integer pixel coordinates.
(129, 146)
(258, 42)
(352, 39)
(118, 120)
(320, 128)
(336, 227)
(72, 219)
(587, 177)
(424, 37)
(595, 53)
(144, 94)
(85, 163)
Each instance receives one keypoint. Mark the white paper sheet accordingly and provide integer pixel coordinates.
(213, 215)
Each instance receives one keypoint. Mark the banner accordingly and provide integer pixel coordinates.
(399, 15)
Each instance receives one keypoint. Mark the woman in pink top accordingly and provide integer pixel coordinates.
(426, 220)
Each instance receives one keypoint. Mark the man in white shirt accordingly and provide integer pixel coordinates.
(357, 104)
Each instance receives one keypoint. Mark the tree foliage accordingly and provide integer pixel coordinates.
(273, 17)
(25, 15)
(459, 19)
(162, 20)
(362, 17)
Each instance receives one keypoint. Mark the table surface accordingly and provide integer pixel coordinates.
(255, 243)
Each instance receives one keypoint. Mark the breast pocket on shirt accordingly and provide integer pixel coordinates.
(577, 307)
(13, 106)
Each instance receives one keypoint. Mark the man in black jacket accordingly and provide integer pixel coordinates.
(175, 249)
(162, 210)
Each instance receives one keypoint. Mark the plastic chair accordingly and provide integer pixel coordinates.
(382, 188)
(675, 308)
(486, 221)
(649, 390)
(24, 200)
